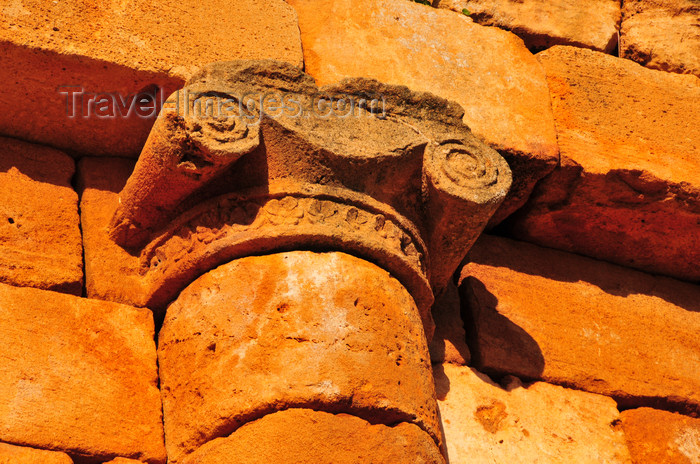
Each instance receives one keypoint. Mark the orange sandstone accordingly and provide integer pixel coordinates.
(488, 71)
(11, 454)
(261, 334)
(545, 314)
(661, 437)
(662, 34)
(118, 50)
(111, 272)
(449, 342)
(40, 242)
(627, 190)
(544, 23)
(488, 423)
(304, 436)
(78, 376)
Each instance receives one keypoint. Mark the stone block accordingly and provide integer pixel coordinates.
(78, 376)
(627, 190)
(537, 422)
(545, 314)
(118, 54)
(40, 241)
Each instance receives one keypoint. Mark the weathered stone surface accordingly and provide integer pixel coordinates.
(662, 34)
(449, 343)
(489, 72)
(78, 376)
(300, 329)
(405, 185)
(123, 461)
(571, 320)
(535, 423)
(122, 49)
(303, 436)
(111, 272)
(627, 190)
(11, 454)
(40, 243)
(542, 24)
(661, 437)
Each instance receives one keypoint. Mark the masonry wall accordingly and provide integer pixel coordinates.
(569, 333)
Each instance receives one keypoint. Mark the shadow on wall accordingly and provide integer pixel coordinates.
(35, 109)
(518, 353)
(563, 266)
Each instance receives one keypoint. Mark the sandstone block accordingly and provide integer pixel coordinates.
(627, 190)
(309, 330)
(111, 272)
(118, 54)
(489, 72)
(545, 314)
(449, 342)
(486, 422)
(661, 437)
(40, 242)
(11, 454)
(123, 461)
(662, 34)
(542, 24)
(304, 436)
(78, 376)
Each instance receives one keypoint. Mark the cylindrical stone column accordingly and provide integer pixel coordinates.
(279, 356)
(316, 357)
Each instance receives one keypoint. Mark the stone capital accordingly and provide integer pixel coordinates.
(251, 158)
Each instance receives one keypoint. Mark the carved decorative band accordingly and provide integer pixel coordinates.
(233, 226)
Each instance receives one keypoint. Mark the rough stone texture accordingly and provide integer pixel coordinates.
(627, 190)
(542, 23)
(300, 329)
(530, 423)
(40, 243)
(111, 272)
(78, 376)
(449, 343)
(122, 47)
(406, 186)
(123, 461)
(11, 454)
(661, 437)
(489, 72)
(303, 436)
(571, 320)
(662, 34)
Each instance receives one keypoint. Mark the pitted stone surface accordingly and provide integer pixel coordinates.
(40, 243)
(661, 437)
(515, 422)
(325, 331)
(662, 34)
(118, 49)
(78, 376)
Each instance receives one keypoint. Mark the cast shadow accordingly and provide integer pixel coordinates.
(611, 278)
